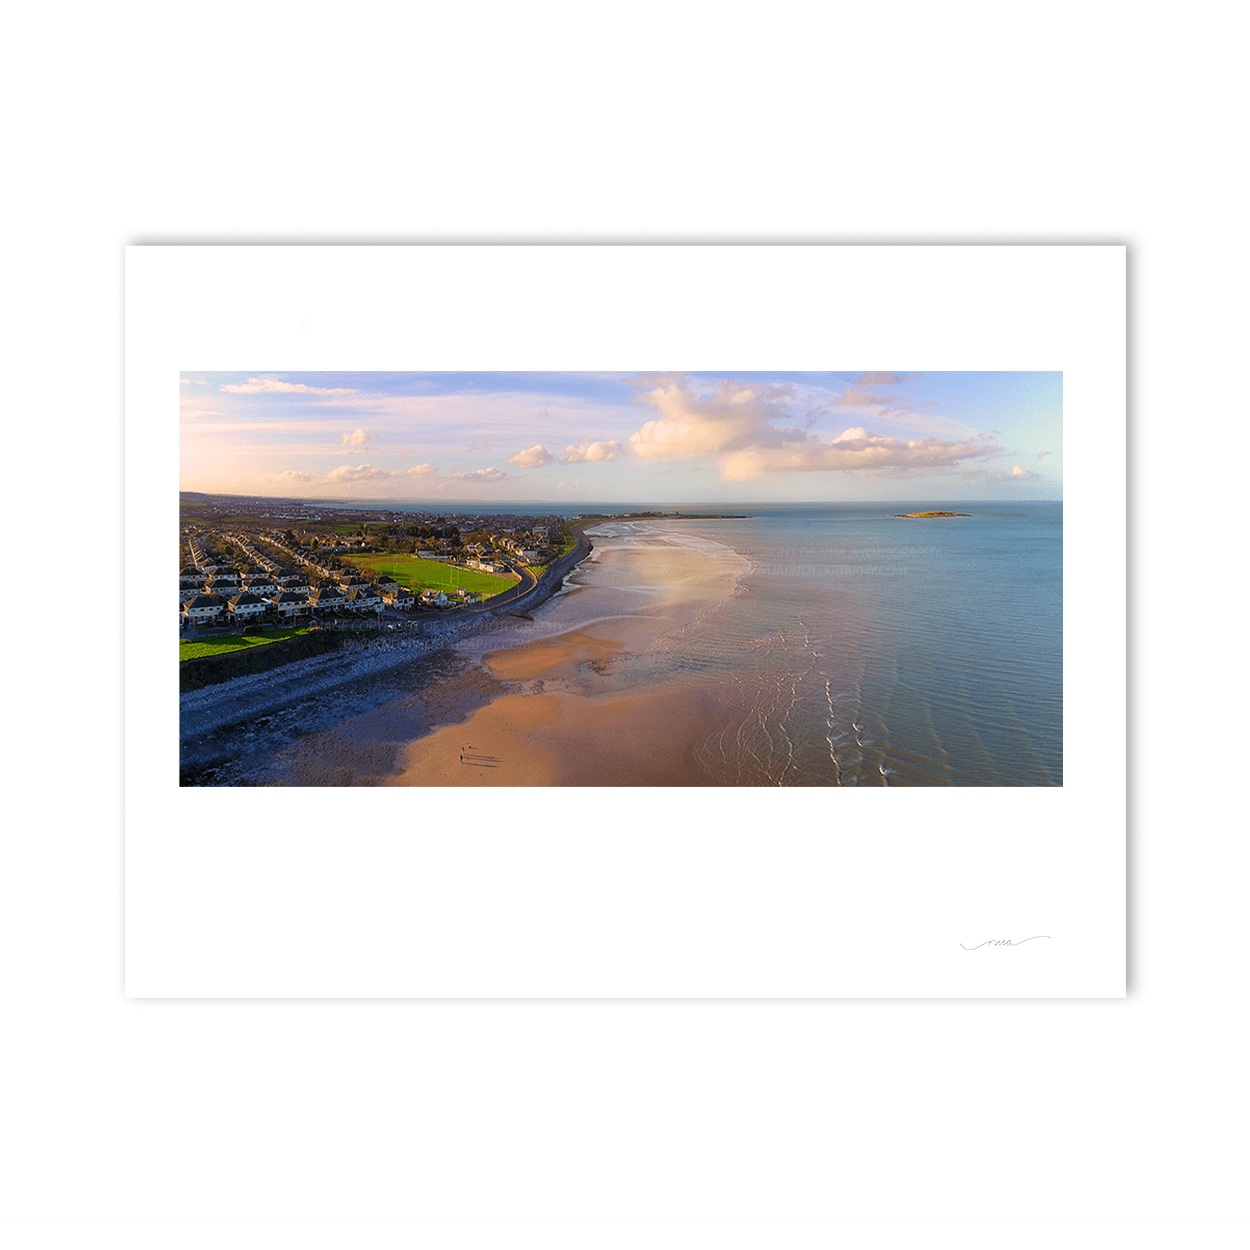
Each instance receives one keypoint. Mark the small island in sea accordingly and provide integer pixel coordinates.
(906, 515)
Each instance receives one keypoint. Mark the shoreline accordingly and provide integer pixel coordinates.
(551, 710)
(569, 712)
(553, 702)
(570, 709)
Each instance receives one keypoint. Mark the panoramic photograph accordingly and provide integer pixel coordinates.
(621, 579)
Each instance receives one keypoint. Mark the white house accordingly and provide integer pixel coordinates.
(365, 599)
(202, 608)
(247, 605)
(398, 597)
(289, 604)
(326, 599)
(224, 581)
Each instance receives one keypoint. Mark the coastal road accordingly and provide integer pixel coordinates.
(528, 580)
(523, 587)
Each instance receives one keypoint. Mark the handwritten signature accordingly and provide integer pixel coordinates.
(1004, 942)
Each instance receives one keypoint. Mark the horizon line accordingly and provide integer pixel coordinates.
(439, 504)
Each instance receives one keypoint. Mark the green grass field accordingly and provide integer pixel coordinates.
(415, 575)
(225, 643)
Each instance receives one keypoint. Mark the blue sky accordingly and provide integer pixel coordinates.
(628, 437)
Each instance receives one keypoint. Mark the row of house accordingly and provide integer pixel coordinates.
(211, 589)
(285, 604)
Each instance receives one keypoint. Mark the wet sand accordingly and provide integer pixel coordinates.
(561, 656)
(637, 739)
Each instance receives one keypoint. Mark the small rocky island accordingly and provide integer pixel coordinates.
(922, 514)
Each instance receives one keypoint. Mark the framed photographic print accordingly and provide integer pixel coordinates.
(626, 621)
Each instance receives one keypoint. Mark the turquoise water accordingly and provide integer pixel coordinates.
(865, 649)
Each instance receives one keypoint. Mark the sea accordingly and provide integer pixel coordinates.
(864, 648)
(852, 647)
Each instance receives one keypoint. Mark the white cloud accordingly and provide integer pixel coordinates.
(736, 425)
(481, 475)
(1041, 455)
(852, 449)
(576, 453)
(532, 457)
(184, 381)
(689, 425)
(1024, 475)
(357, 438)
(422, 470)
(290, 475)
(358, 473)
(264, 386)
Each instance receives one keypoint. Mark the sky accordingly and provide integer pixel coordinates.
(624, 437)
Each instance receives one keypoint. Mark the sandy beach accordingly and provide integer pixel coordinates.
(643, 739)
(566, 715)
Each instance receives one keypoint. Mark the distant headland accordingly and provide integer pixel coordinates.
(927, 514)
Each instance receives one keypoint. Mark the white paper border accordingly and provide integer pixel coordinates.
(631, 893)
